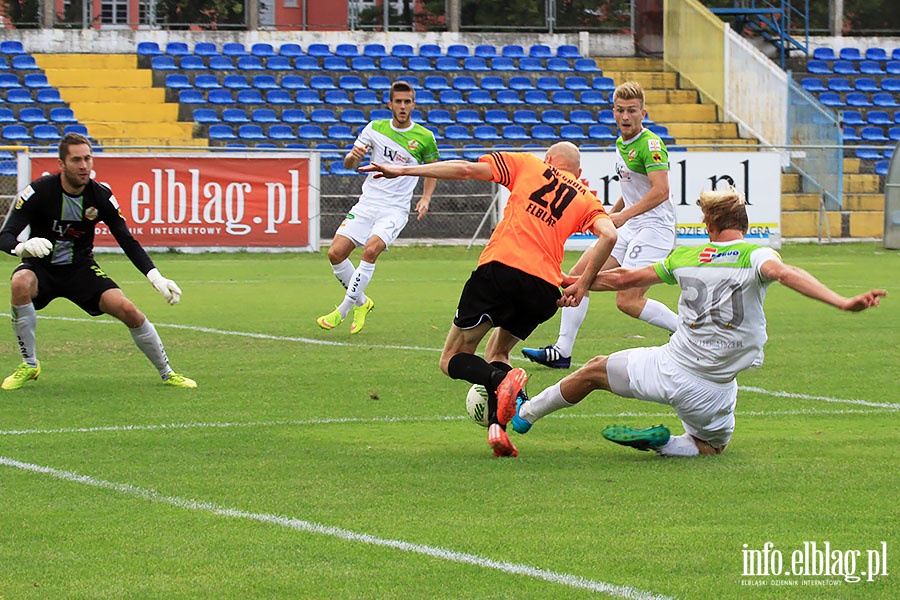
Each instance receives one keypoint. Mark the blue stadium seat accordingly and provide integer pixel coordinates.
(48, 96)
(402, 51)
(178, 81)
(234, 49)
(486, 133)
(529, 63)
(7, 116)
(605, 117)
(885, 99)
(279, 63)
(603, 84)
(379, 114)
(515, 132)
(871, 67)
(486, 51)
(868, 154)
(534, 97)
(852, 117)
(548, 83)
(436, 83)
(559, 65)
(337, 168)
(813, 85)
(221, 63)
(265, 82)
(346, 50)
(434, 130)
(310, 132)
(191, 96)
(540, 51)
(850, 134)
(568, 51)
(374, 51)
(525, 117)
(235, 116)
(493, 83)
(876, 53)
(480, 97)
(543, 132)
(324, 116)
(554, 117)
(520, 83)
(893, 66)
(217, 96)
(850, 54)
(572, 133)
(839, 84)
(503, 63)
(11, 47)
(582, 117)
(867, 85)
(475, 63)
(576, 83)
(873, 134)
(19, 96)
(341, 133)
(206, 49)
(881, 167)
(163, 62)
(819, 67)
(430, 51)
(150, 49)
(440, 116)
(32, 115)
(192, 63)
(251, 132)
(250, 63)
(206, 82)
(205, 116)
(263, 50)
(322, 82)
(874, 117)
(8, 168)
(663, 132)
(447, 63)
(464, 83)
(177, 49)
(457, 51)
(339, 97)
(456, 132)
(307, 63)
(251, 96)
(366, 97)
(76, 128)
(600, 133)
(420, 64)
(391, 63)
(62, 114)
(845, 67)
(513, 51)
(893, 135)
(507, 97)
(890, 84)
(451, 97)
(35, 81)
(318, 50)
(46, 133)
(497, 116)
(279, 97)
(586, 65)
(336, 63)
(448, 152)
(294, 116)
(824, 53)
(857, 99)
(281, 132)
(364, 63)
(596, 97)
(412, 80)
(466, 116)
(290, 50)
(565, 97)
(293, 82)
(236, 81)
(221, 132)
(353, 116)
(351, 83)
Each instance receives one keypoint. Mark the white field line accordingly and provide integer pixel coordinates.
(573, 581)
(313, 341)
(375, 420)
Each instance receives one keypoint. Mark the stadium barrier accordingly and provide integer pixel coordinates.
(694, 42)
(816, 137)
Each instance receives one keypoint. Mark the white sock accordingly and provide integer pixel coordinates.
(679, 445)
(358, 282)
(146, 338)
(657, 313)
(572, 318)
(24, 322)
(344, 272)
(548, 401)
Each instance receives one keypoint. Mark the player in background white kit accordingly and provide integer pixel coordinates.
(721, 331)
(382, 211)
(644, 216)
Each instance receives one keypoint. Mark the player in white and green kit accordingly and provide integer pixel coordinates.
(382, 211)
(721, 330)
(644, 216)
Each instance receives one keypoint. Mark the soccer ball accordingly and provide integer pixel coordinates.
(476, 404)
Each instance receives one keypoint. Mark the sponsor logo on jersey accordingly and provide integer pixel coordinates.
(653, 144)
(713, 255)
(657, 157)
(413, 145)
(25, 195)
(632, 154)
(90, 213)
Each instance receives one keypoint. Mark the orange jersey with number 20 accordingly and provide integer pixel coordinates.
(545, 207)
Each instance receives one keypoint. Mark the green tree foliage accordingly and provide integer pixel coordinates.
(210, 14)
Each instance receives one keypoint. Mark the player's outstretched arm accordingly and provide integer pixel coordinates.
(443, 169)
(801, 281)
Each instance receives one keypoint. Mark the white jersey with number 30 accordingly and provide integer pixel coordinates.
(722, 325)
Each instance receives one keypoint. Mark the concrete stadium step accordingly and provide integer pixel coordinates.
(86, 61)
(99, 78)
(132, 113)
(135, 95)
(106, 130)
(630, 64)
(716, 131)
(690, 113)
(655, 98)
(647, 79)
(173, 144)
(790, 182)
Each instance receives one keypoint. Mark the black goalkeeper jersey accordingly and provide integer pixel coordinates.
(68, 222)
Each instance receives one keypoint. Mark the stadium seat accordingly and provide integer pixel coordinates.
(521, 83)
(493, 83)
(543, 132)
(310, 132)
(603, 84)
(868, 154)
(339, 97)
(893, 135)
(178, 81)
(206, 82)
(889, 84)
(565, 97)
(19, 96)
(534, 97)
(582, 117)
(873, 134)
(876, 53)
(467, 116)
(265, 82)
(885, 99)
(318, 50)
(451, 97)
(509, 97)
(412, 80)
(290, 50)
(11, 47)
(497, 116)
(263, 50)
(436, 83)
(163, 62)
(457, 132)
(8, 168)
(150, 49)
(353, 116)
(850, 54)
(341, 133)
(35, 81)
(475, 63)
(76, 128)
(420, 64)
(32, 115)
(221, 132)
(813, 85)
(251, 132)
(62, 114)
(294, 115)
(819, 67)
(502, 63)
(235, 116)
(435, 131)
(605, 117)
(464, 83)
(858, 99)
(234, 49)
(448, 152)
(346, 50)
(366, 97)
(279, 97)
(839, 84)
(221, 63)
(322, 83)
(540, 51)
(48, 96)
(871, 67)
(831, 99)
(893, 67)
(568, 51)
(323, 116)
(486, 51)
(278, 63)
(447, 63)
(177, 49)
(402, 51)
(15, 133)
(7, 116)
(336, 63)
(205, 116)
(515, 132)
(206, 49)
(364, 63)
(548, 83)
(529, 63)
(525, 117)
(192, 63)
(218, 96)
(391, 63)
(440, 116)
(351, 83)
(307, 63)
(281, 132)
(430, 51)
(596, 97)
(852, 117)
(480, 97)
(486, 133)
(513, 51)
(235, 81)
(293, 82)
(251, 96)
(850, 135)
(554, 117)
(824, 53)
(457, 51)
(576, 83)
(586, 65)
(572, 133)
(867, 85)
(845, 67)
(191, 96)
(873, 117)
(663, 132)
(374, 51)
(600, 133)
(881, 167)
(560, 65)
(250, 63)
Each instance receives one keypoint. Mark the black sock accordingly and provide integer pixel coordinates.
(475, 369)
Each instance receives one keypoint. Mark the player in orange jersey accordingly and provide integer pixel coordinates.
(516, 286)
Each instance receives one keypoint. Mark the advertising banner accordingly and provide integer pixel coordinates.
(221, 201)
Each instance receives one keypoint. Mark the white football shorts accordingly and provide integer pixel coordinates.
(365, 221)
(641, 247)
(706, 408)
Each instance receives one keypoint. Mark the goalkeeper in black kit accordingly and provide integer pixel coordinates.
(61, 212)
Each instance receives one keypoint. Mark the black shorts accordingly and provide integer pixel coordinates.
(509, 298)
(83, 284)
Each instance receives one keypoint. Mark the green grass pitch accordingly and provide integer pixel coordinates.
(313, 464)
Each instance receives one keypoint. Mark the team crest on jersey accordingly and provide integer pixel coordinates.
(653, 144)
(657, 157)
(413, 145)
(90, 213)
(632, 154)
(713, 255)
(25, 195)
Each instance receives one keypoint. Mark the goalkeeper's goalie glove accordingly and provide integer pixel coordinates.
(168, 288)
(34, 247)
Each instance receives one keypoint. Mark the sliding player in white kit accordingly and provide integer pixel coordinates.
(721, 331)
(644, 216)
